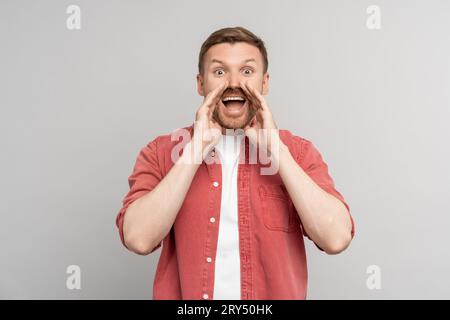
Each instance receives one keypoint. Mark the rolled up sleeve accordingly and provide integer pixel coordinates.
(311, 161)
(145, 177)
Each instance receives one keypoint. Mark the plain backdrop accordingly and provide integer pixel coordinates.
(77, 106)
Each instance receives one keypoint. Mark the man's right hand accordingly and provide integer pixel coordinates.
(149, 218)
(206, 130)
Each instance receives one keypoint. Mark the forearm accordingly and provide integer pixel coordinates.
(149, 218)
(324, 217)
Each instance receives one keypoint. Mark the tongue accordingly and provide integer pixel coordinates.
(234, 105)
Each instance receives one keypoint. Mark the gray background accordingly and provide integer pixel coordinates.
(76, 107)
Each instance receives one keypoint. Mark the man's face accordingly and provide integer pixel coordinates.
(238, 62)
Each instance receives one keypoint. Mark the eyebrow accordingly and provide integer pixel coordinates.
(245, 61)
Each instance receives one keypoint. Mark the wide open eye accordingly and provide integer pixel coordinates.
(247, 72)
(219, 72)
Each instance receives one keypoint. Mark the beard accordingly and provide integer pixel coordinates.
(233, 114)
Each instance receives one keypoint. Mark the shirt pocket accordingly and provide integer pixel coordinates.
(277, 208)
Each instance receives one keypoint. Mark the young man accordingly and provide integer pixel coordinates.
(230, 230)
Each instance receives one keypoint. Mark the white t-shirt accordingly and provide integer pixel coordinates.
(227, 276)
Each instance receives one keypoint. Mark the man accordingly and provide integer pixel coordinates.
(230, 231)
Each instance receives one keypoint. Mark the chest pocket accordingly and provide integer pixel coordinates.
(277, 208)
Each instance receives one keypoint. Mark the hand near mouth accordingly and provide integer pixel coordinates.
(206, 130)
(262, 128)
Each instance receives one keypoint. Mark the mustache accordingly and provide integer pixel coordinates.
(234, 92)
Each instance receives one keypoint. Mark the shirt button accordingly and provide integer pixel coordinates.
(212, 219)
(205, 296)
(213, 153)
(208, 259)
(215, 184)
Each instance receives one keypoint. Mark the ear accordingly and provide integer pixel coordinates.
(265, 85)
(200, 85)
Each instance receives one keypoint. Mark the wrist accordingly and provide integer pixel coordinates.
(278, 150)
(192, 154)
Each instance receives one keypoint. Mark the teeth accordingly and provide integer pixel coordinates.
(233, 98)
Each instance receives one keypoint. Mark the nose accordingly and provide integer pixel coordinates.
(234, 80)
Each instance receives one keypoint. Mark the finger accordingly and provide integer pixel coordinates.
(210, 112)
(254, 124)
(253, 101)
(251, 123)
(257, 95)
(213, 97)
(212, 105)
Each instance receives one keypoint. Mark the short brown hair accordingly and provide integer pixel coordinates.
(232, 35)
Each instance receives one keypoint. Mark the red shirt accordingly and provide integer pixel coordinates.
(272, 251)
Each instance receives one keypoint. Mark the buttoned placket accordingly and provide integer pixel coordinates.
(243, 181)
(213, 216)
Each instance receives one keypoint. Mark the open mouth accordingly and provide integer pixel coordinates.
(233, 102)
